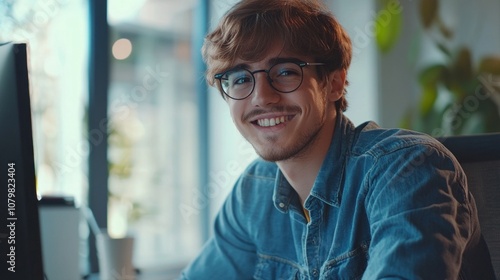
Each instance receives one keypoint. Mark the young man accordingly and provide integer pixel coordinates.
(327, 200)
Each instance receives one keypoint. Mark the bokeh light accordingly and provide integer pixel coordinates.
(122, 48)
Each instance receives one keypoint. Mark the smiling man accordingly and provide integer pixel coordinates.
(326, 200)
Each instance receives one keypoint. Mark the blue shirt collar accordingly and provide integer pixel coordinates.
(327, 186)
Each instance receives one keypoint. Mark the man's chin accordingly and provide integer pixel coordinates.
(275, 155)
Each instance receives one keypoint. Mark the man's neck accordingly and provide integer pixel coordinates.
(301, 171)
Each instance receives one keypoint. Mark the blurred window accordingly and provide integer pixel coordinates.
(153, 141)
(58, 57)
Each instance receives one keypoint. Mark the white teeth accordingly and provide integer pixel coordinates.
(271, 122)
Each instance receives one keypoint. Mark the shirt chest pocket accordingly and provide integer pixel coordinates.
(347, 266)
(269, 267)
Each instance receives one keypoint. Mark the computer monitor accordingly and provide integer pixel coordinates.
(20, 245)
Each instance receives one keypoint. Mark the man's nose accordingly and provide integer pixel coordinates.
(263, 93)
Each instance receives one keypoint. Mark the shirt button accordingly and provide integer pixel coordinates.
(315, 272)
(282, 205)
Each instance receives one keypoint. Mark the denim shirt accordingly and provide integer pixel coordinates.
(386, 204)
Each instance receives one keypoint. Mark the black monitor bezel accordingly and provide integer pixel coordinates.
(17, 122)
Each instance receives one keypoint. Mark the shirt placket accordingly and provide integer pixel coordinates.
(311, 240)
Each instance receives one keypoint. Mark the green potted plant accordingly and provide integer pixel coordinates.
(457, 95)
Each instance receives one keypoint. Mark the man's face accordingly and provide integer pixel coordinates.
(283, 126)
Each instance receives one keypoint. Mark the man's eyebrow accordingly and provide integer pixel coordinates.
(276, 60)
(240, 66)
(270, 62)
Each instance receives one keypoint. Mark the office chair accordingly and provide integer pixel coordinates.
(479, 156)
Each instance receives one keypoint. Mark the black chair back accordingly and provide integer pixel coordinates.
(479, 156)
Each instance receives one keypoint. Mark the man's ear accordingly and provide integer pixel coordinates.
(336, 84)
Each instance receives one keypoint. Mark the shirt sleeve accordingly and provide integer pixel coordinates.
(229, 254)
(419, 212)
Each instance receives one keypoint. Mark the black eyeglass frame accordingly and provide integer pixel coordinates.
(301, 64)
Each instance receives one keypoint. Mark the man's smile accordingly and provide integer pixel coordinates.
(269, 118)
(272, 121)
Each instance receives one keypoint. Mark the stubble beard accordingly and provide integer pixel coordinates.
(303, 142)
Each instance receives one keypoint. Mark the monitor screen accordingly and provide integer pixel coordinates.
(20, 246)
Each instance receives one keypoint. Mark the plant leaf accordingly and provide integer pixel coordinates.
(428, 98)
(445, 31)
(387, 27)
(429, 80)
(406, 121)
(490, 65)
(432, 75)
(428, 12)
(492, 117)
(462, 66)
(444, 49)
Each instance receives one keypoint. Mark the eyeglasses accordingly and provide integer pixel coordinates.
(238, 83)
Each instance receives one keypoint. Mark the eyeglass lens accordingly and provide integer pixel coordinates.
(284, 77)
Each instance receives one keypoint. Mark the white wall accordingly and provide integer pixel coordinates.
(358, 18)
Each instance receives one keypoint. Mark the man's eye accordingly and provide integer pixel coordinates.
(287, 72)
(241, 80)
